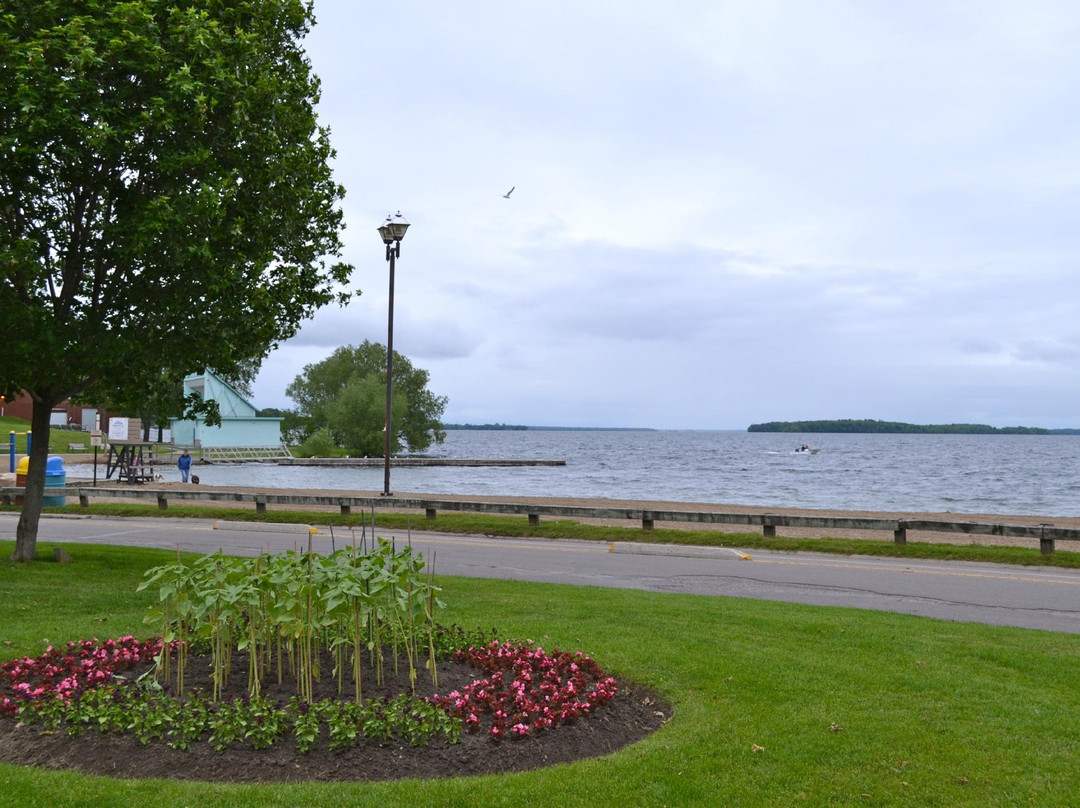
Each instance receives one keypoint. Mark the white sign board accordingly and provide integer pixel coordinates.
(118, 429)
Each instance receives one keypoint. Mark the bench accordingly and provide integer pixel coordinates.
(76, 447)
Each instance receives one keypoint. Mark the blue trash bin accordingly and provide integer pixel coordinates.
(55, 477)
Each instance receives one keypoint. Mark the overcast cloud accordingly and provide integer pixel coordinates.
(725, 212)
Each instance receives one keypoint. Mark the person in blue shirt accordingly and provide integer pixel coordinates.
(184, 464)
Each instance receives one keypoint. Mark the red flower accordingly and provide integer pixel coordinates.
(563, 679)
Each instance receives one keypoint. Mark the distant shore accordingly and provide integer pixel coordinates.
(872, 427)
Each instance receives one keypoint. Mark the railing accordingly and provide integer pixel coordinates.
(1046, 533)
(240, 454)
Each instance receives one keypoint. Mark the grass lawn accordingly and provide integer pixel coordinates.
(775, 704)
(58, 438)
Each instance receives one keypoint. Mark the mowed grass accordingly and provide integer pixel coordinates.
(774, 704)
(58, 438)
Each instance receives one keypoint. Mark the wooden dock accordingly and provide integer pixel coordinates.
(406, 462)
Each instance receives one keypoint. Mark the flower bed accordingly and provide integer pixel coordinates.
(523, 690)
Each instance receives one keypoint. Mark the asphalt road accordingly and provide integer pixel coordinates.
(982, 593)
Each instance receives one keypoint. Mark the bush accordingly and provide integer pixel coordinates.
(318, 444)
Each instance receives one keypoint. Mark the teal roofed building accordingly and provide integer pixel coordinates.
(242, 433)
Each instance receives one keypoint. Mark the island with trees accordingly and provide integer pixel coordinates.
(868, 425)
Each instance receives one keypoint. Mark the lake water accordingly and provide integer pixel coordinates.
(1004, 474)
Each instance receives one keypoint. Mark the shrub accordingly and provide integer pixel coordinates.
(318, 444)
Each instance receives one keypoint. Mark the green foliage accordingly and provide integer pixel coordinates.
(149, 714)
(293, 427)
(319, 443)
(165, 196)
(171, 156)
(358, 413)
(346, 393)
(350, 603)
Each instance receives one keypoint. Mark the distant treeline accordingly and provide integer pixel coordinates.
(894, 427)
(488, 427)
(549, 428)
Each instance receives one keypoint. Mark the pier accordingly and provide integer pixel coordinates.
(406, 462)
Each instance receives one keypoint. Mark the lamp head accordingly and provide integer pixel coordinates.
(393, 229)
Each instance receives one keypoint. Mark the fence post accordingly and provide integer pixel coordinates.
(534, 519)
(900, 534)
(647, 522)
(1046, 545)
(768, 526)
(162, 502)
(429, 513)
(260, 504)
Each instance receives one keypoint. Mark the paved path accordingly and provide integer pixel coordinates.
(985, 593)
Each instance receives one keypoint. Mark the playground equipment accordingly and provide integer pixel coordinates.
(11, 445)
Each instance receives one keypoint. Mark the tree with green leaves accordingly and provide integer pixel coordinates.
(166, 201)
(346, 394)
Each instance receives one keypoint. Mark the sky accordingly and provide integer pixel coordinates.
(724, 212)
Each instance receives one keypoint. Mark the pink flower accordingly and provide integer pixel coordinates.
(570, 686)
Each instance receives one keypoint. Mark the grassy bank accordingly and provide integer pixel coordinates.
(775, 704)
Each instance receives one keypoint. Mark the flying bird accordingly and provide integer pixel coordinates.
(507, 194)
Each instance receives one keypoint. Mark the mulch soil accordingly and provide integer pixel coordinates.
(634, 713)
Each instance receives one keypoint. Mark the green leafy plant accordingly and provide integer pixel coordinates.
(319, 443)
(282, 610)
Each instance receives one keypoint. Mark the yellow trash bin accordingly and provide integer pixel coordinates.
(21, 470)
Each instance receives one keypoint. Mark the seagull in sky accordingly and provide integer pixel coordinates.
(507, 194)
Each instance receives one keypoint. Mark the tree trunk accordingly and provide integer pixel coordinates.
(26, 532)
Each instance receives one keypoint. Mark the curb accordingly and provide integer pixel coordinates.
(683, 550)
(265, 527)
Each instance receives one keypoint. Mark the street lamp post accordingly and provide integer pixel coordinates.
(392, 232)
